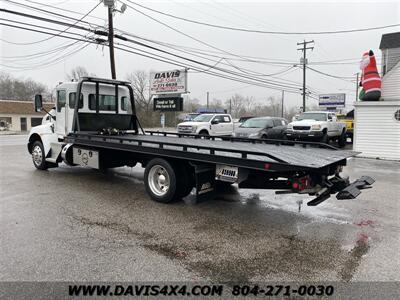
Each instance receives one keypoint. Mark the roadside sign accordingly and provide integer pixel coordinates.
(332, 100)
(168, 104)
(162, 120)
(168, 82)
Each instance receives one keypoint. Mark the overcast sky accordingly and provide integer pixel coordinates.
(260, 15)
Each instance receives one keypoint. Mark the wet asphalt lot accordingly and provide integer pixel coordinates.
(81, 224)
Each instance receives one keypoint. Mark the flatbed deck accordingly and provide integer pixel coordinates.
(238, 153)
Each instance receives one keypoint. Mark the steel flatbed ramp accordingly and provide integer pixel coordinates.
(221, 151)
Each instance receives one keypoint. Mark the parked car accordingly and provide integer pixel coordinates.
(348, 119)
(208, 124)
(241, 120)
(262, 128)
(319, 126)
(244, 119)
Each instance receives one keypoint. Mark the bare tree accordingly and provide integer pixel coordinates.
(20, 89)
(78, 72)
(191, 104)
(236, 105)
(141, 88)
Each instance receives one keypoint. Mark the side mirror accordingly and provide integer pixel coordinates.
(38, 103)
(214, 122)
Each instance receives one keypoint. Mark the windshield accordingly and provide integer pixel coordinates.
(256, 123)
(203, 118)
(313, 116)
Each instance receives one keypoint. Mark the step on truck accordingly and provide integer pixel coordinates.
(100, 129)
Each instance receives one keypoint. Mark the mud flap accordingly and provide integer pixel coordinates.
(205, 182)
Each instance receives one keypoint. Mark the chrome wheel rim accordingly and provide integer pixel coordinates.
(37, 155)
(159, 181)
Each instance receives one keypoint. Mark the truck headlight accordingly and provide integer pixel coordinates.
(194, 128)
(316, 127)
(289, 127)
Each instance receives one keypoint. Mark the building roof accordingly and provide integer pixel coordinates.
(390, 40)
(22, 107)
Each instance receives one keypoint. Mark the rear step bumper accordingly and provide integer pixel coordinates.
(343, 188)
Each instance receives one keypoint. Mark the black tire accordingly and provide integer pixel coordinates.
(38, 156)
(342, 139)
(185, 180)
(154, 181)
(325, 138)
(204, 134)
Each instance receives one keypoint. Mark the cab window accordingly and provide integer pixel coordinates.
(219, 119)
(227, 119)
(125, 103)
(61, 99)
(277, 122)
(71, 100)
(106, 102)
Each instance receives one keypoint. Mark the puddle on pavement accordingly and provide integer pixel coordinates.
(354, 259)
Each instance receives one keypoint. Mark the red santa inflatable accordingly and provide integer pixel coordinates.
(370, 79)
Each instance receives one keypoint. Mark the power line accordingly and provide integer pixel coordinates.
(267, 84)
(329, 75)
(153, 48)
(169, 61)
(62, 31)
(263, 31)
(63, 9)
(185, 34)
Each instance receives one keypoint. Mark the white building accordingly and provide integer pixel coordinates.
(377, 123)
(20, 115)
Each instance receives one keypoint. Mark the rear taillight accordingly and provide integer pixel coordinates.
(301, 184)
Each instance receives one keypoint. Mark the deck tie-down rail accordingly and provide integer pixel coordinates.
(246, 140)
(244, 153)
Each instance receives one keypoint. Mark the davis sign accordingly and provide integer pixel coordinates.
(168, 82)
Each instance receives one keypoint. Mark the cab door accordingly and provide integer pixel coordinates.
(228, 125)
(61, 112)
(217, 125)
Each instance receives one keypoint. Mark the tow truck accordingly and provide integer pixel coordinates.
(100, 129)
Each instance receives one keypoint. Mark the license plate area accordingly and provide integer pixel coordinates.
(86, 157)
(226, 173)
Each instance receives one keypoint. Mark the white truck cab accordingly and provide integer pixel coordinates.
(46, 140)
(319, 126)
(208, 124)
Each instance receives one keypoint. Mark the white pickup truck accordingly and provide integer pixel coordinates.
(319, 126)
(208, 125)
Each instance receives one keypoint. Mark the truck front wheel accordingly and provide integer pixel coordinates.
(160, 180)
(38, 156)
(325, 138)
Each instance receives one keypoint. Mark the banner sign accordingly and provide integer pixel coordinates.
(332, 100)
(168, 82)
(168, 104)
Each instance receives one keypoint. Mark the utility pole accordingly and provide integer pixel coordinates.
(208, 96)
(283, 97)
(110, 5)
(357, 85)
(304, 62)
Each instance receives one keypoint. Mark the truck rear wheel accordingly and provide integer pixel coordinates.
(38, 156)
(160, 180)
(342, 139)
